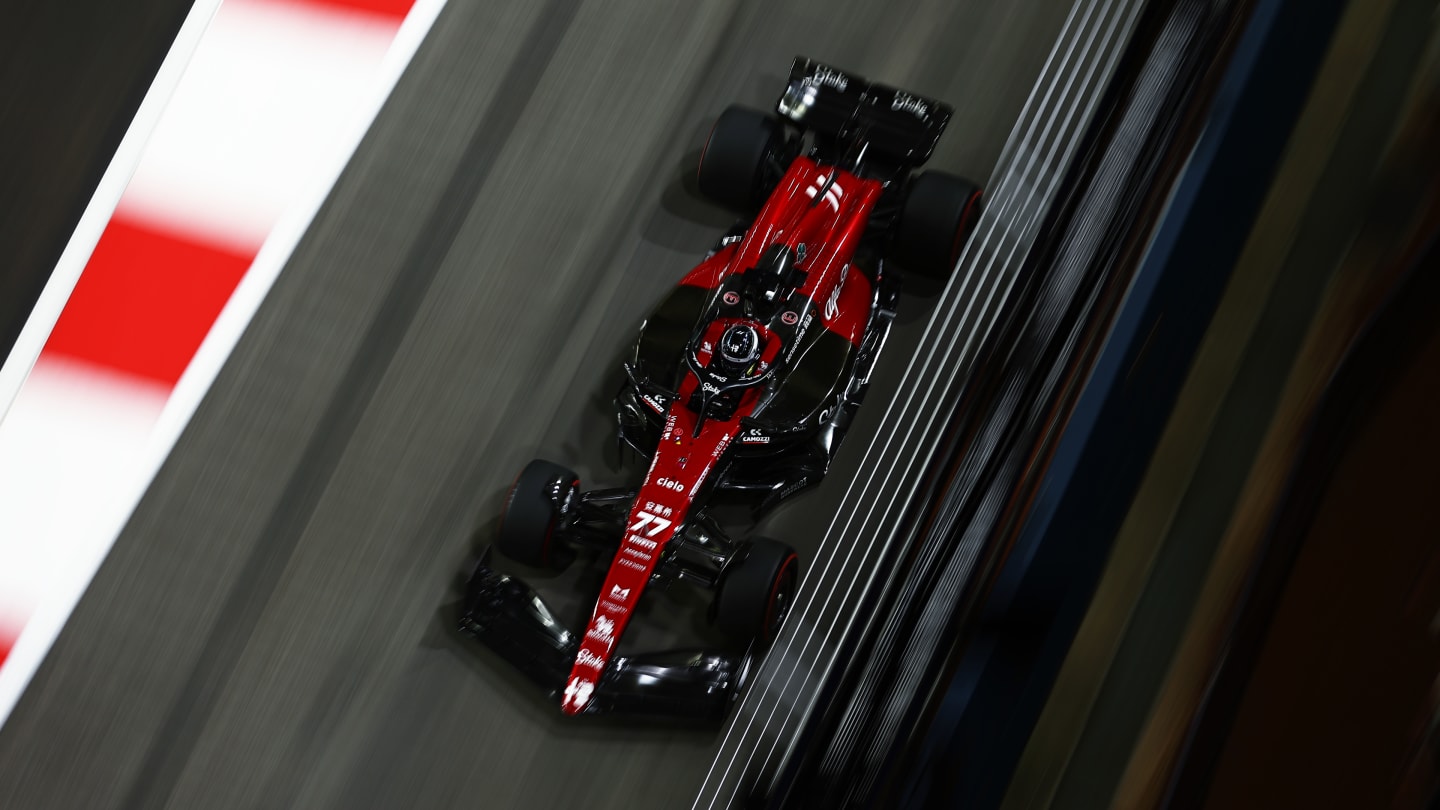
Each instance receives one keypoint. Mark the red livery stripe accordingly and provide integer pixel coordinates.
(146, 301)
(389, 8)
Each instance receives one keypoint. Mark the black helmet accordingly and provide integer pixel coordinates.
(739, 347)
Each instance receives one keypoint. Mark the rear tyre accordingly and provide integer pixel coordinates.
(758, 591)
(935, 222)
(734, 165)
(532, 512)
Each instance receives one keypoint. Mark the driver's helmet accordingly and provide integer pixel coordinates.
(739, 348)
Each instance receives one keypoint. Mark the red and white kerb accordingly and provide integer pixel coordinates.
(269, 107)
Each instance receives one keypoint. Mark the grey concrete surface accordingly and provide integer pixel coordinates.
(270, 630)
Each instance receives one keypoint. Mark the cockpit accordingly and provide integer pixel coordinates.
(727, 357)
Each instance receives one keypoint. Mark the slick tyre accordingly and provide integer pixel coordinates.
(935, 222)
(758, 591)
(527, 525)
(735, 163)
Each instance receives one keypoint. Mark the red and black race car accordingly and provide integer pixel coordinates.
(743, 381)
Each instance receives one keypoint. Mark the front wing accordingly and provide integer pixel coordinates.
(511, 619)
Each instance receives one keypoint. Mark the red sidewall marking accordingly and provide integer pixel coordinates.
(705, 148)
(145, 301)
(775, 591)
(962, 232)
(509, 499)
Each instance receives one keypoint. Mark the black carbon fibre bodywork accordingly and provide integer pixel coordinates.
(513, 620)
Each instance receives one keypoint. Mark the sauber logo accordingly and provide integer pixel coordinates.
(585, 658)
(794, 487)
(832, 194)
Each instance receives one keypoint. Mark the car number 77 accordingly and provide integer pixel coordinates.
(657, 524)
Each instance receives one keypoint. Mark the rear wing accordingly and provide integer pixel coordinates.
(892, 125)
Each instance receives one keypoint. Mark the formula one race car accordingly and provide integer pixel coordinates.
(743, 381)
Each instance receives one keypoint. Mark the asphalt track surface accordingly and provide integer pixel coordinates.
(271, 629)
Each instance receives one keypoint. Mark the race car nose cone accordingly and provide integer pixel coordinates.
(740, 344)
(577, 695)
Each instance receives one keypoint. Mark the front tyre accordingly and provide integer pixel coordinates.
(758, 591)
(939, 212)
(532, 513)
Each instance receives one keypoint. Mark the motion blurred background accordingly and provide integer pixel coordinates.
(1246, 615)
